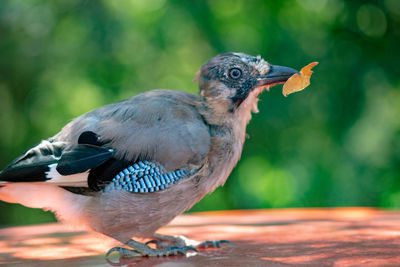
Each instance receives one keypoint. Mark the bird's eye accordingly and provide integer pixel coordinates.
(235, 73)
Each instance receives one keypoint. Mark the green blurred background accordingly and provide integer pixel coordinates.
(335, 144)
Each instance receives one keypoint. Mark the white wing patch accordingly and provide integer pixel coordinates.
(53, 173)
(76, 180)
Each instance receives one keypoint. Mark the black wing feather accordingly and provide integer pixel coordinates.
(90, 138)
(103, 174)
(33, 164)
(81, 158)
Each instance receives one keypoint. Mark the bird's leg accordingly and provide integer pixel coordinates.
(140, 249)
(167, 241)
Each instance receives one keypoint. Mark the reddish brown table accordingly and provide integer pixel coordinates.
(305, 237)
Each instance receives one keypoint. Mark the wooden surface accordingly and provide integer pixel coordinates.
(300, 237)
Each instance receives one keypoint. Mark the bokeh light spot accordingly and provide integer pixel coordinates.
(393, 6)
(371, 20)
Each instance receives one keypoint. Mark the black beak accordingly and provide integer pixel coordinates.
(276, 75)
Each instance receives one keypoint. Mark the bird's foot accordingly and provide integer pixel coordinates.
(141, 250)
(166, 241)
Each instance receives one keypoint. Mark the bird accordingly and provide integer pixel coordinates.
(128, 168)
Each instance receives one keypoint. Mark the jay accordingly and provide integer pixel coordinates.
(128, 168)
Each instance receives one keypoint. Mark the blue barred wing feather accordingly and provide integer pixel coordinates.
(145, 177)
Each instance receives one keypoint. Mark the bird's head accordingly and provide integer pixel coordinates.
(230, 82)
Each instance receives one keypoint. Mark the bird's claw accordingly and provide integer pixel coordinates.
(176, 251)
(124, 252)
(164, 241)
(163, 245)
(172, 251)
(214, 243)
(154, 241)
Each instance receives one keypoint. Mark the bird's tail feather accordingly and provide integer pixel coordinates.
(66, 205)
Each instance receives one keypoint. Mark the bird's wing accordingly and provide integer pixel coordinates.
(52, 160)
(33, 164)
(159, 127)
